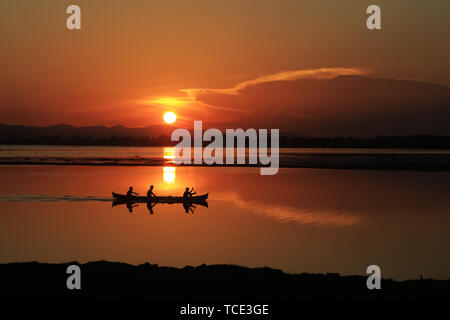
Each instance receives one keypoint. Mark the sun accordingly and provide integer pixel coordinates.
(170, 117)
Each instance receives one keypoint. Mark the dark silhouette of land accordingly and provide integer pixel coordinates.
(111, 280)
(160, 136)
(365, 161)
(312, 157)
(67, 133)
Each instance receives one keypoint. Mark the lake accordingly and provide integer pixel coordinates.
(329, 158)
(300, 220)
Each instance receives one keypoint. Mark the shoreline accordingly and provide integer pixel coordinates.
(113, 280)
(363, 161)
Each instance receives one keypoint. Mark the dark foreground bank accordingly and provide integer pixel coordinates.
(109, 280)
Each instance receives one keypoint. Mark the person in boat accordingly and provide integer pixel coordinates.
(150, 193)
(189, 193)
(130, 193)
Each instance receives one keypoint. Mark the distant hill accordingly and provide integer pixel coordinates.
(159, 135)
(357, 106)
(65, 131)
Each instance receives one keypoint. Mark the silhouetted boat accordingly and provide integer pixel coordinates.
(121, 198)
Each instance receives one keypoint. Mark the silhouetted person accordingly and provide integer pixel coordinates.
(188, 193)
(130, 193)
(150, 193)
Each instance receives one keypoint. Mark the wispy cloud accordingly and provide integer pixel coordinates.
(191, 99)
(290, 75)
(181, 103)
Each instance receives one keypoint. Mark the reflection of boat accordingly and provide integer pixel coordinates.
(121, 199)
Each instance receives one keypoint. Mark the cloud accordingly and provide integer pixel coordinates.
(321, 102)
(290, 75)
(335, 102)
(180, 103)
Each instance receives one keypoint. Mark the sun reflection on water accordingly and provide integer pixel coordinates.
(169, 174)
(169, 153)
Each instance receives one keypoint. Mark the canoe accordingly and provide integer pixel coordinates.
(121, 198)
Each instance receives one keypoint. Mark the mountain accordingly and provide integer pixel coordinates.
(358, 106)
(65, 131)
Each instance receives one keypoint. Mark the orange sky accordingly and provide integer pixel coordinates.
(130, 56)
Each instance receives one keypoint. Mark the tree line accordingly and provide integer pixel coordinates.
(413, 142)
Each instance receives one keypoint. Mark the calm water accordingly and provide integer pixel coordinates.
(301, 220)
(167, 152)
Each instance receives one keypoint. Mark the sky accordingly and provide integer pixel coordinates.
(133, 60)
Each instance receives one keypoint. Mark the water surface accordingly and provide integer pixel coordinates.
(300, 220)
